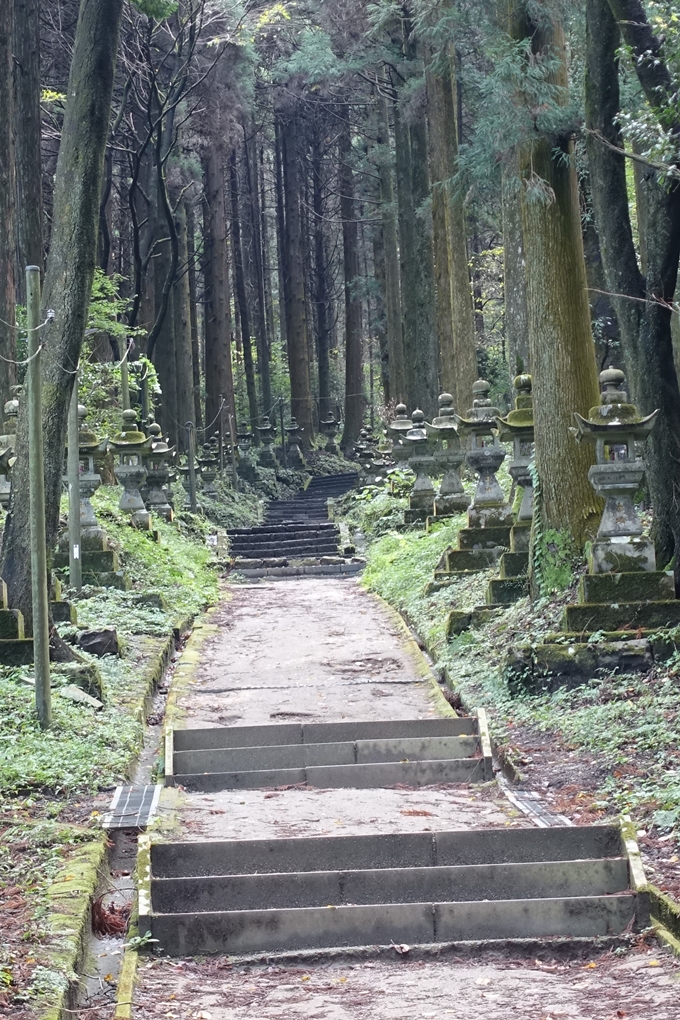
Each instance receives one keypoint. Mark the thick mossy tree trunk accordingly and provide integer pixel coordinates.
(321, 275)
(68, 280)
(393, 322)
(252, 201)
(27, 134)
(354, 395)
(295, 303)
(243, 305)
(163, 353)
(219, 379)
(455, 321)
(514, 270)
(422, 352)
(181, 301)
(641, 298)
(562, 351)
(193, 314)
(7, 204)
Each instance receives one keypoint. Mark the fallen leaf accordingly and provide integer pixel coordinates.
(653, 963)
(402, 948)
(590, 966)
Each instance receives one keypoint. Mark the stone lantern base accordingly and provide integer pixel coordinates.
(621, 555)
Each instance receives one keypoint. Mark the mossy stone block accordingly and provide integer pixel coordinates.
(84, 675)
(514, 564)
(549, 667)
(107, 579)
(520, 537)
(593, 616)
(63, 612)
(457, 621)
(470, 559)
(94, 561)
(417, 515)
(506, 590)
(11, 624)
(484, 538)
(636, 586)
(17, 652)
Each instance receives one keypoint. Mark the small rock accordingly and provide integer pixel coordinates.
(74, 693)
(100, 642)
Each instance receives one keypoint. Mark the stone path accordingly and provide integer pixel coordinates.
(325, 650)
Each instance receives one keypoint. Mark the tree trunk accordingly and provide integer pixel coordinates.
(424, 366)
(562, 352)
(280, 228)
(514, 270)
(642, 307)
(193, 316)
(380, 322)
(294, 286)
(68, 280)
(253, 200)
(243, 306)
(186, 409)
(8, 246)
(27, 130)
(393, 323)
(218, 372)
(322, 288)
(354, 383)
(163, 354)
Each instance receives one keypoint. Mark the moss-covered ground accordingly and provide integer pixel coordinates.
(609, 745)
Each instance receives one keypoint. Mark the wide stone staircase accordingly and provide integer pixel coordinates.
(297, 536)
(261, 896)
(415, 752)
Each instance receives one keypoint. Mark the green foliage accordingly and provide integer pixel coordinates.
(159, 9)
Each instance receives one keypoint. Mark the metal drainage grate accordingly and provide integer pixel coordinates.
(132, 807)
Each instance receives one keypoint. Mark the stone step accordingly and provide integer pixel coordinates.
(292, 756)
(364, 756)
(292, 570)
(621, 616)
(260, 896)
(320, 528)
(484, 538)
(641, 586)
(16, 651)
(459, 560)
(319, 733)
(548, 667)
(394, 885)
(286, 545)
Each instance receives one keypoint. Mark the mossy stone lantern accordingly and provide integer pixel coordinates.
(294, 453)
(329, 428)
(209, 463)
(244, 437)
(89, 479)
(421, 462)
(615, 426)
(484, 456)
(159, 461)
(518, 428)
(397, 430)
(267, 432)
(448, 458)
(131, 446)
(7, 448)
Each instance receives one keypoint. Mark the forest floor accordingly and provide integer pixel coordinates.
(311, 650)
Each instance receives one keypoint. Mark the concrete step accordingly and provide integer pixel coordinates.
(365, 756)
(314, 529)
(260, 896)
(293, 570)
(269, 543)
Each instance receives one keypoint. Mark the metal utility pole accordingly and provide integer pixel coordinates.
(75, 562)
(283, 434)
(125, 380)
(192, 469)
(36, 468)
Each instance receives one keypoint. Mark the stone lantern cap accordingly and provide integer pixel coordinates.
(418, 431)
(267, 426)
(293, 426)
(129, 437)
(521, 419)
(482, 412)
(159, 445)
(614, 418)
(402, 423)
(446, 419)
(88, 442)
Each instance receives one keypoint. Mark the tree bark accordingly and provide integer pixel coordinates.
(322, 283)
(514, 270)
(255, 220)
(218, 371)
(243, 305)
(7, 204)
(423, 354)
(186, 409)
(393, 323)
(280, 228)
(193, 316)
(354, 383)
(294, 286)
(562, 352)
(27, 135)
(642, 307)
(68, 279)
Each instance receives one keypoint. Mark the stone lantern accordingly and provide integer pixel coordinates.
(329, 428)
(484, 456)
(397, 430)
(267, 432)
(209, 462)
(615, 426)
(7, 448)
(448, 458)
(244, 437)
(131, 446)
(91, 533)
(158, 461)
(518, 428)
(421, 462)
(294, 453)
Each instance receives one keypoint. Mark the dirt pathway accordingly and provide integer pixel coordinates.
(313, 650)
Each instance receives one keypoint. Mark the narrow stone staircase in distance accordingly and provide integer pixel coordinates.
(297, 537)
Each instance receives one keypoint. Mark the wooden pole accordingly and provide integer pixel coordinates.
(75, 563)
(36, 468)
(192, 468)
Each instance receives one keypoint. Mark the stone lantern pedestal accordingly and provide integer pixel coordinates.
(208, 463)
(329, 429)
(267, 432)
(448, 457)
(293, 451)
(131, 446)
(421, 462)
(623, 600)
